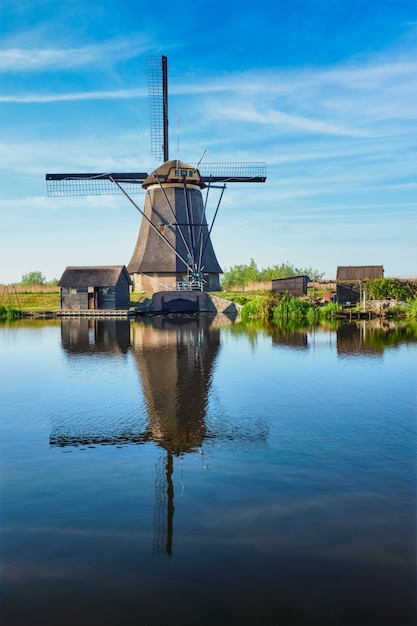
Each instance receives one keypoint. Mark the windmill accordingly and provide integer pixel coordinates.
(173, 248)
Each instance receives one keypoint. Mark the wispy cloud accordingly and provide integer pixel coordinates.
(375, 72)
(36, 59)
(275, 117)
(27, 60)
(346, 100)
(118, 94)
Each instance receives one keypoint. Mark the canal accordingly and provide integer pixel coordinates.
(194, 471)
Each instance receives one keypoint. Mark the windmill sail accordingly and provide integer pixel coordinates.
(101, 183)
(157, 70)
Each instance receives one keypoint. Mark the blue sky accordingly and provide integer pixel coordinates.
(324, 92)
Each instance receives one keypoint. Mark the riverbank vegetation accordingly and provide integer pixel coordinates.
(9, 313)
(382, 288)
(274, 308)
(412, 309)
(269, 307)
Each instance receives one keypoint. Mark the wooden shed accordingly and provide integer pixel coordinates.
(293, 285)
(105, 287)
(359, 272)
(350, 278)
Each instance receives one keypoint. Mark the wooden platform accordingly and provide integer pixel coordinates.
(74, 313)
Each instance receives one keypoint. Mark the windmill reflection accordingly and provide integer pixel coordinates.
(174, 357)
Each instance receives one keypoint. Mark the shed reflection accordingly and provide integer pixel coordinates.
(89, 336)
(371, 338)
(291, 338)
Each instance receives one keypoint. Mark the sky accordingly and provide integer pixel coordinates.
(324, 92)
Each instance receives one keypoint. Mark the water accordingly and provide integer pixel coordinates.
(179, 471)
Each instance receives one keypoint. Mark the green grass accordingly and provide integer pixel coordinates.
(9, 313)
(37, 301)
(137, 297)
(412, 309)
(51, 301)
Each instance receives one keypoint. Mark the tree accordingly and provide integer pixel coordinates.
(33, 278)
(241, 275)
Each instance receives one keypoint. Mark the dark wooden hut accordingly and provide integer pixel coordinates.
(349, 280)
(293, 285)
(105, 287)
(359, 272)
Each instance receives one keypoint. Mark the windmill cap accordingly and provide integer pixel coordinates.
(174, 172)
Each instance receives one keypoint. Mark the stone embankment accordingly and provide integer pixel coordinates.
(225, 306)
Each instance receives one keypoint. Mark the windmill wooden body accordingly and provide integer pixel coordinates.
(173, 249)
(175, 214)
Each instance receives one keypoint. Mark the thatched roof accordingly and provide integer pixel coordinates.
(93, 276)
(359, 272)
(164, 170)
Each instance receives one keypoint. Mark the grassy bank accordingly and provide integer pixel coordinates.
(263, 306)
(32, 301)
(30, 297)
(42, 299)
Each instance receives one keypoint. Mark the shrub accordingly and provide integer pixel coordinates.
(412, 308)
(290, 307)
(256, 309)
(9, 313)
(330, 310)
(381, 288)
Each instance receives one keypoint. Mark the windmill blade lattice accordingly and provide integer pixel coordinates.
(157, 70)
(61, 185)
